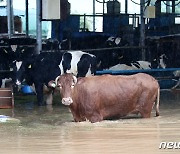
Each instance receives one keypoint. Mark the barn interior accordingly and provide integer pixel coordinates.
(155, 20)
(147, 34)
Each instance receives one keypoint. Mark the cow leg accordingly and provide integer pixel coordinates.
(135, 112)
(39, 91)
(3, 85)
(146, 110)
(77, 118)
(146, 114)
(49, 98)
(177, 84)
(0, 82)
(95, 117)
(76, 114)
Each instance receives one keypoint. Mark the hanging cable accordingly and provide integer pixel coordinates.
(140, 3)
(148, 3)
(171, 5)
(101, 2)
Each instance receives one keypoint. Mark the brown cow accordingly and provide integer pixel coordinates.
(106, 97)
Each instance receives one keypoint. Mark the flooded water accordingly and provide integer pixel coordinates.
(51, 130)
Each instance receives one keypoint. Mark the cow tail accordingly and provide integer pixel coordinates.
(157, 102)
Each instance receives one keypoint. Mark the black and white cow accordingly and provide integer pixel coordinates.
(7, 56)
(46, 66)
(50, 45)
(79, 63)
(105, 57)
(12, 50)
(132, 66)
(177, 74)
(91, 42)
(108, 56)
(156, 63)
(160, 62)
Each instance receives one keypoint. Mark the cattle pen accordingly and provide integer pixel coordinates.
(165, 77)
(113, 32)
(28, 128)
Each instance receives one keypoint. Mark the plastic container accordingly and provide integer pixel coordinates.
(27, 89)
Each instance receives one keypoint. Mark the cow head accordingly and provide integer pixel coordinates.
(18, 70)
(113, 41)
(21, 72)
(50, 44)
(66, 84)
(116, 42)
(163, 60)
(160, 62)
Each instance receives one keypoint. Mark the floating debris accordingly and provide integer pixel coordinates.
(8, 119)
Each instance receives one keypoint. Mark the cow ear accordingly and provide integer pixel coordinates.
(22, 51)
(120, 57)
(74, 79)
(52, 84)
(117, 40)
(30, 66)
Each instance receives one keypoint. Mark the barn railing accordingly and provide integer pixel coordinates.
(165, 77)
(110, 48)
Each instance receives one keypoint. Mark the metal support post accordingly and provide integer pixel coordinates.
(38, 27)
(94, 12)
(142, 29)
(126, 6)
(27, 19)
(10, 18)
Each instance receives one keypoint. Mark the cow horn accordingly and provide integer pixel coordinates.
(99, 64)
(56, 80)
(74, 79)
(5, 50)
(120, 57)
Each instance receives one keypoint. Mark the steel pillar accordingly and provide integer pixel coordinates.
(10, 18)
(38, 26)
(142, 29)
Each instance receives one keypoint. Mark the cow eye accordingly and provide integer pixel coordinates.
(60, 86)
(72, 86)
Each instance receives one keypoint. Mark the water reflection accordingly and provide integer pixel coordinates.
(51, 130)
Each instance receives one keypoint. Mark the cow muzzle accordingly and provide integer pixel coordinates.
(17, 86)
(18, 83)
(67, 101)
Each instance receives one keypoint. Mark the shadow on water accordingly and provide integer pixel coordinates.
(50, 129)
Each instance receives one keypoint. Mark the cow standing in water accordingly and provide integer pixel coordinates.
(47, 66)
(106, 97)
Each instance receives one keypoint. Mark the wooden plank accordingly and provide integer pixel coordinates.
(6, 98)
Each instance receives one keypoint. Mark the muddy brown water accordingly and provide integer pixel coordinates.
(51, 130)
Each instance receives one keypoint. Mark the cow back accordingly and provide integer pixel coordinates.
(114, 96)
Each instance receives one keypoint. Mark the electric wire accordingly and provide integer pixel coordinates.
(171, 5)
